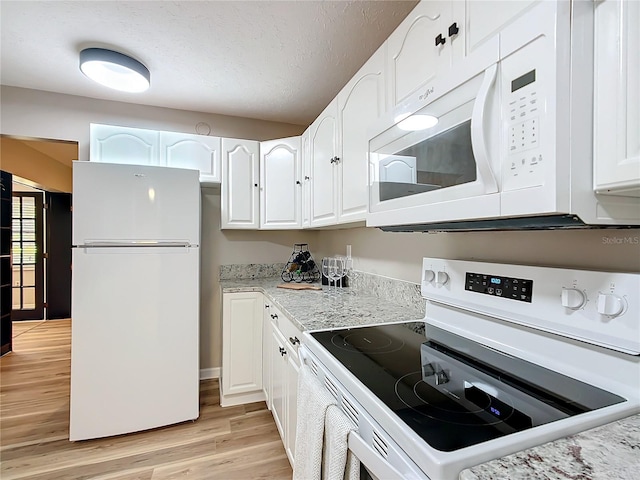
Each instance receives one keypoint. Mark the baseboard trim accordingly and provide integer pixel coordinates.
(207, 373)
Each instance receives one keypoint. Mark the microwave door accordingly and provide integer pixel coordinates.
(446, 163)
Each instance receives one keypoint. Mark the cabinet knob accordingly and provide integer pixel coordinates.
(294, 340)
(274, 315)
(453, 29)
(333, 159)
(266, 305)
(337, 159)
(283, 351)
(440, 40)
(306, 177)
(298, 182)
(255, 184)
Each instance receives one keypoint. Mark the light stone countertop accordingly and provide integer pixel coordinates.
(610, 452)
(315, 309)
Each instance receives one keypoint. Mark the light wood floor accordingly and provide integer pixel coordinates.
(224, 443)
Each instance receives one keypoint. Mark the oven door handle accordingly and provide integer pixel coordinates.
(371, 459)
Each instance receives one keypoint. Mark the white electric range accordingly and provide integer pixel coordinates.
(507, 357)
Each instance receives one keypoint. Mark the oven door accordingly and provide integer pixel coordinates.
(381, 458)
(442, 172)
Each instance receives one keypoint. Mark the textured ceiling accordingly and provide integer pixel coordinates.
(272, 60)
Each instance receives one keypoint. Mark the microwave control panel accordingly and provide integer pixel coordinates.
(523, 101)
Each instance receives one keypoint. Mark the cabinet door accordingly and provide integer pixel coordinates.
(617, 98)
(293, 369)
(359, 103)
(267, 345)
(239, 190)
(324, 196)
(278, 381)
(242, 342)
(197, 152)
(133, 146)
(485, 18)
(280, 184)
(413, 58)
(306, 178)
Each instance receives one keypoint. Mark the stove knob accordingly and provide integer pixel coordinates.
(573, 299)
(442, 278)
(610, 305)
(429, 275)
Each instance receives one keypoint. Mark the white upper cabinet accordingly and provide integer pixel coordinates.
(197, 152)
(306, 178)
(133, 146)
(239, 191)
(324, 158)
(360, 102)
(485, 18)
(280, 184)
(422, 46)
(138, 146)
(435, 35)
(617, 98)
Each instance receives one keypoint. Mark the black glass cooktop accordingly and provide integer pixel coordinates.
(454, 392)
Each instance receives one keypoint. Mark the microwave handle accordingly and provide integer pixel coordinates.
(478, 141)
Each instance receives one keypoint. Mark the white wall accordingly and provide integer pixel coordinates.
(399, 255)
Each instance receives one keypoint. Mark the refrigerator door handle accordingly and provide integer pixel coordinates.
(133, 243)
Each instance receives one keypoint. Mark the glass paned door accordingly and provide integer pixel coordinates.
(27, 258)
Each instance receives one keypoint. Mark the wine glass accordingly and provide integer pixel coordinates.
(348, 269)
(336, 271)
(326, 261)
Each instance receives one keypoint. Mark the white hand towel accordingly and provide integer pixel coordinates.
(313, 400)
(338, 462)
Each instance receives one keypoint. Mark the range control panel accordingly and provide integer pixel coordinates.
(506, 287)
(601, 308)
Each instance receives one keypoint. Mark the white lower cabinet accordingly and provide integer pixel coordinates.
(284, 368)
(241, 375)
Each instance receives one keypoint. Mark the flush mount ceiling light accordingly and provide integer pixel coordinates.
(114, 70)
(415, 122)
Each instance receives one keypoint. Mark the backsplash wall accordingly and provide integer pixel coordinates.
(399, 255)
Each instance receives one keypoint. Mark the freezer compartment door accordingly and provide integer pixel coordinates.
(121, 203)
(134, 346)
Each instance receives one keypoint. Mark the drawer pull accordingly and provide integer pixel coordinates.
(294, 341)
(274, 315)
(283, 351)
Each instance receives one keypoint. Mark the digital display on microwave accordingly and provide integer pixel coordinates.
(523, 81)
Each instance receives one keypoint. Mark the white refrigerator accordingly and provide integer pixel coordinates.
(135, 298)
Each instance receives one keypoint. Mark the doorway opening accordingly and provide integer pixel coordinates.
(27, 253)
(36, 258)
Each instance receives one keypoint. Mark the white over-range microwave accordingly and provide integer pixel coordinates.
(513, 142)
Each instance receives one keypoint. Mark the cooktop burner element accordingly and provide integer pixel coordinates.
(454, 392)
(421, 400)
(372, 342)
